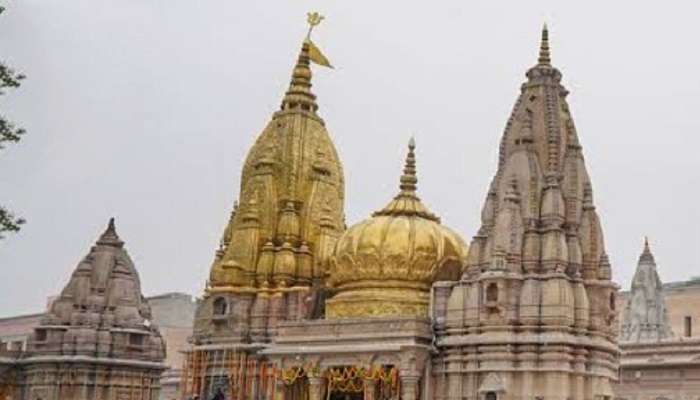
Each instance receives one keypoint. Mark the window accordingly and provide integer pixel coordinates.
(492, 293)
(220, 306)
(136, 339)
(40, 335)
(491, 396)
(612, 301)
(688, 326)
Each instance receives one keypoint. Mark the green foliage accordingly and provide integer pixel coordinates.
(9, 133)
(8, 222)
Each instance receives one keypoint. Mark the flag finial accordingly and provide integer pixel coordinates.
(313, 19)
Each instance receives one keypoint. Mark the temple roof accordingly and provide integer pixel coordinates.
(102, 297)
(291, 197)
(541, 186)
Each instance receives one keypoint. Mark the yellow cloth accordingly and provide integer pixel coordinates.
(317, 57)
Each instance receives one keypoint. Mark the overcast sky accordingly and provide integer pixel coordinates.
(145, 109)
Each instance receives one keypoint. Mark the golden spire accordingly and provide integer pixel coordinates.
(409, 178)
(407, 201)
(299, 95)
(544, 48)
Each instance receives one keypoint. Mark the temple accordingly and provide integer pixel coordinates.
(271, 265)
(398, 306)
(646, 318)
(656, 362)
(96, 341)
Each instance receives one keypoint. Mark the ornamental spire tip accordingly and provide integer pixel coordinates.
(409, 178)
(544, 57)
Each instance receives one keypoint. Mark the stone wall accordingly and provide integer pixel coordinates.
(14, 331)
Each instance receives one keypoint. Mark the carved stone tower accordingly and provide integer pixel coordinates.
(534, 313)
(272, 262)
(646, 318)
(96, 341)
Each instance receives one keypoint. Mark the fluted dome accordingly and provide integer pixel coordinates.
(385, 265)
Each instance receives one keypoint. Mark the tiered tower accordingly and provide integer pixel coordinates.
(96, 341)
(534, 313)
(272, 262)
(655, 362)
(646, 318)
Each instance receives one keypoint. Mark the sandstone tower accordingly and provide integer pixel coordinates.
(96, 341)
(646, 318)
(272, 261)
(534, 313)
(655, 362)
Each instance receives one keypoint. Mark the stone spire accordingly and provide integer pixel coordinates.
(646, 256)
(544, 48)
(101, 300)
(110, 237)
(100, 325)
(538, 262)
(540, 154)
(646, 318)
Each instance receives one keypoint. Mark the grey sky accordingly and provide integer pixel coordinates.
(144, 110)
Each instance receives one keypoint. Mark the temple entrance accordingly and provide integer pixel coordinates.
(347, 396)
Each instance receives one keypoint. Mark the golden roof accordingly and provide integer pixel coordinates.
(385, 265)
(290, 208)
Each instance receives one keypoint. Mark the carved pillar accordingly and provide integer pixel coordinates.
(271, 385)
(454, 385)
(255, 381)
(316, 385)
(370, 389)
(280, 390)
(409, 387)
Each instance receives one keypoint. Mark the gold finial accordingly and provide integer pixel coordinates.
(407, 202)
(409, 178)
(313, 18)
(544, 47)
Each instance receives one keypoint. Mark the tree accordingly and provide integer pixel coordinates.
(9, 133)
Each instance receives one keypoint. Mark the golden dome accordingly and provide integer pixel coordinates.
(385, 265)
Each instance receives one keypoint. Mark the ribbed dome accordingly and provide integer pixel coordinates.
(385, 265)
